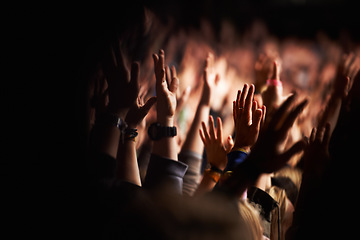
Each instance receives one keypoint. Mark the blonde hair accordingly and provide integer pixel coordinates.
(251, 218)
(294, 174)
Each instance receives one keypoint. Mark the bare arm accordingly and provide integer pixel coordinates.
(193, 141)
(166, 105)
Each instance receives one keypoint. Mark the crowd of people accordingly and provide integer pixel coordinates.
(217, 143)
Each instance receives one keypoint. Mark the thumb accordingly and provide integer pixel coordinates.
(147, 106)
(229, 144)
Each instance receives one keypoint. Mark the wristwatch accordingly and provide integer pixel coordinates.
(112, 119)
(156, 131)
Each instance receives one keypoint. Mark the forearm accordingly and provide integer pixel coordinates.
(127, 166)
(166, 147)
(207, 184)
(193, 141)
(105, 139)
(105, 135)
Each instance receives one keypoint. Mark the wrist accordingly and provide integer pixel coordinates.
(245, 149)
(166, 121)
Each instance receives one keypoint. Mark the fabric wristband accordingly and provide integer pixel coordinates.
(274, 82)
(216, 169)
(215, 176)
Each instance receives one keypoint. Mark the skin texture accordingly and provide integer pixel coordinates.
(166, 107)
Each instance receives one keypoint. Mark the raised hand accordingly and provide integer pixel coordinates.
(165, 91)
(263, 69)
(166, 106)
(247, 118)
(273, 95)
(214, 146)
(348, 67)
(265, 155)
(316, 154)
(123, 87)
(211, 80)
(138, 111)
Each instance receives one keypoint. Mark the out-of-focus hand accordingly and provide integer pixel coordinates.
(266, 155)
(273, 95)
(263, 69)
(138, 111)
(348, 66)
(165, 91)
(247, 118)
(211, 80)
(213, 141)
(123, 87)
(316, 154)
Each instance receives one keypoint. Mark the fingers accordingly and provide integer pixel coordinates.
(243, 96)
(263, 115)
(205, 132)
(253, 109)
(320, 134)
(161, 80)
(296, 148)
(236, 106)
(312, 135)
(279, 114)
(229, 144)
(248, 103)
(257, 119)
(147, 106)
(174, 85)
(290, 119)
(157, 68)
(162, 58)
(173, 72)
(202, 136)
(159, 64)
(238, 98)
(219, 130)
(212, 127)
(168, 75)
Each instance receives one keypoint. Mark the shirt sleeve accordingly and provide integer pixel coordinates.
(165, 173)
(234, 159)
(192, 176)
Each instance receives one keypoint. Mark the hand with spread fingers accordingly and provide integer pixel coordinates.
(165, 90)
(214, 146)
(316, 154)
(247, 118)
(123, 87)
(138, 111)
(265, 155)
